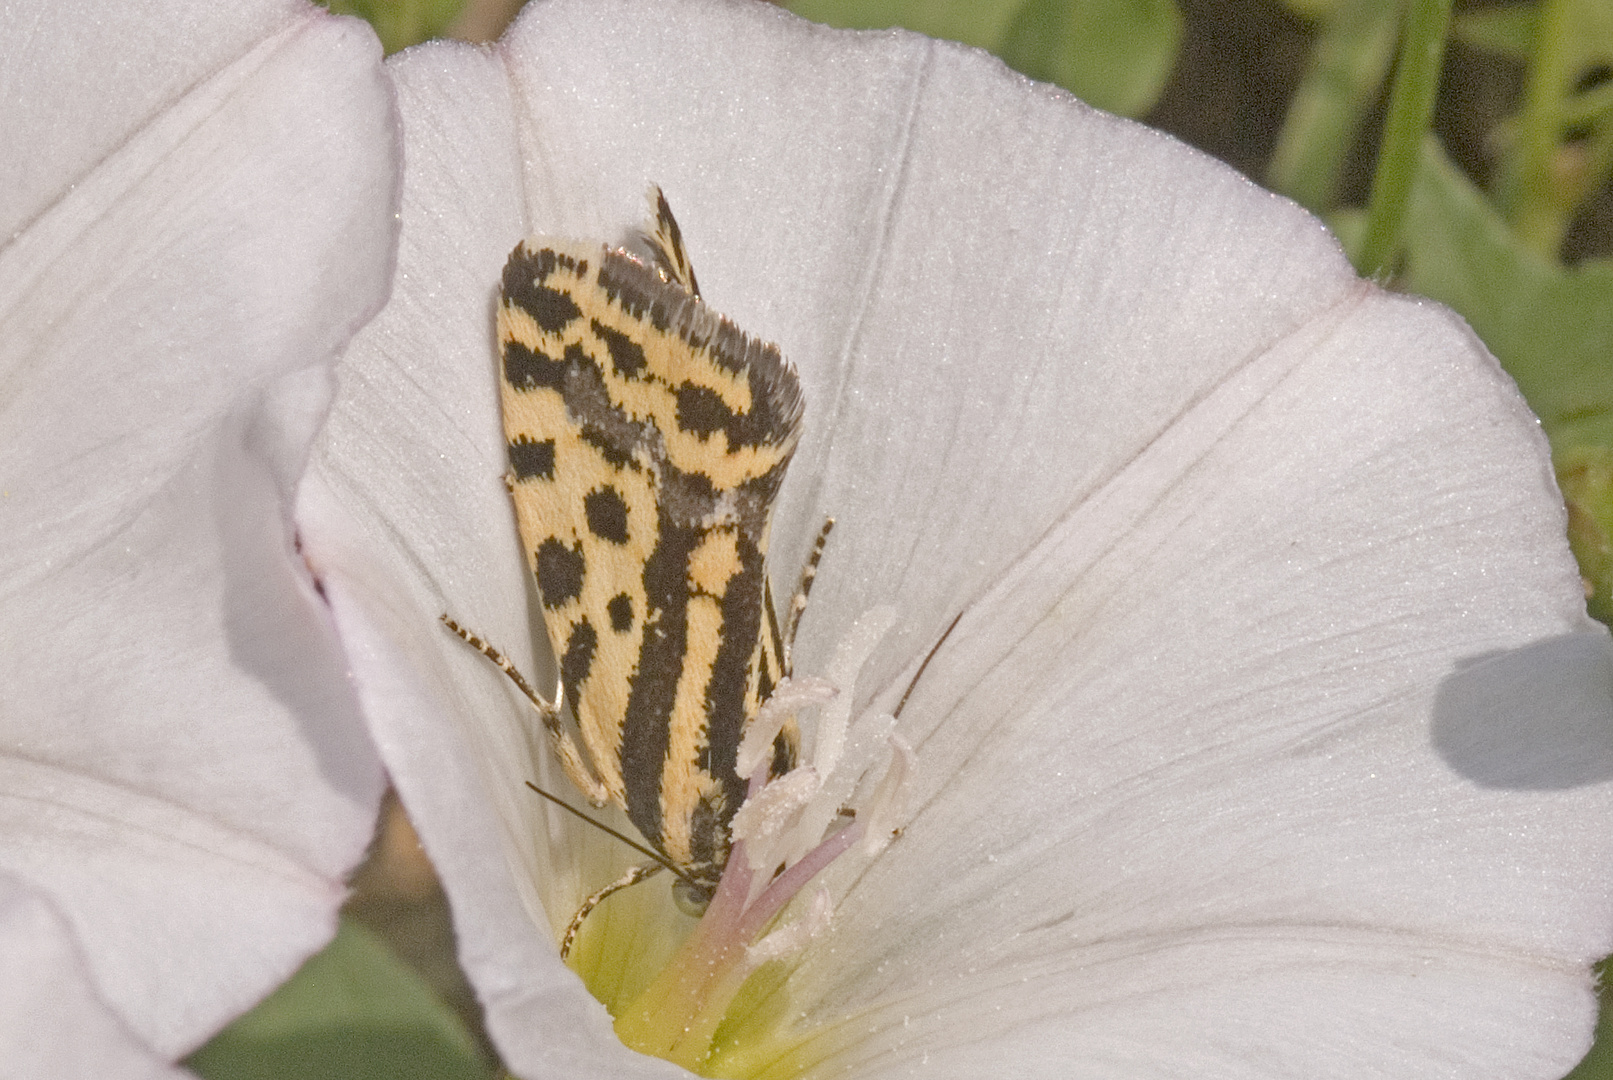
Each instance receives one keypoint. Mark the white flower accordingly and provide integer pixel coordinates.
(198, 209)
(1273, 740)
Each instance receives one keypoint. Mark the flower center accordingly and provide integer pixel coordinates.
(703, 1009)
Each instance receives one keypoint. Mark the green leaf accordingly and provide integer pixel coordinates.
(1314, 10)
(353, 1012)
(401, 23)
(1115, 54)
(1590, 45)
(1598, 1064)
(1585, 474)
(1543, 179)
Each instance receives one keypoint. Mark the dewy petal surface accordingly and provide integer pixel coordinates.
(1273, 741)
(198, 204)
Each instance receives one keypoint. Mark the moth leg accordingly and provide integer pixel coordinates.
(803, 589)
(565, 747)
(632, 877)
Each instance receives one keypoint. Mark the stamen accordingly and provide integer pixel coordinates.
(789, 697)
(782, 840)
(784, 887)
(848, 661)
(770, 811)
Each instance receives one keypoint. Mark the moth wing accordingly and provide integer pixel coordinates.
(647, 438)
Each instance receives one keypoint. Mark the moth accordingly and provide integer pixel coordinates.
(648, 438)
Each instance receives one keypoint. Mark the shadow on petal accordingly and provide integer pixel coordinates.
(1532, 718)
(273, 624)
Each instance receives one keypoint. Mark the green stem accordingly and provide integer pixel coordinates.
(1347, 66)
(1529, 192)
(1411, 109)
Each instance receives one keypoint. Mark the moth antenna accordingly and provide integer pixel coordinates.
(657, 857)
(900, 705)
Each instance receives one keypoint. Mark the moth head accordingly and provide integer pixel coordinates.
(692, 897)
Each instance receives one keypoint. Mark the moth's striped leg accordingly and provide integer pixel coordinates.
(565, 747)
(803, 589)
(632, 877)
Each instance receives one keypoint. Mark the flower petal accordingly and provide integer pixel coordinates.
(1223, 522)
(56, 1025)
(1203, 779)
(1345, 537)
(203, 217)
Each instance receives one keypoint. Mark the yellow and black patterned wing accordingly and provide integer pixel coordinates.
(647, 440)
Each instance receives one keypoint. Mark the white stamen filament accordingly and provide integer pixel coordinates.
(774, 808)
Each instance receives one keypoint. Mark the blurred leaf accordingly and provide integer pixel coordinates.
(1115, 54)
(1594, 106)
(1509, 30)
(401, 23)
(1314, 10)
(1591, 44)
(1346, 71)
(981, 23)
(1349, 224)
(1544, 174)
(1585, 474)
(1551, 325)
(353, 1012)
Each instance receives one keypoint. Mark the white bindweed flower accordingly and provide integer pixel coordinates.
(1272, 741)
(198, 209)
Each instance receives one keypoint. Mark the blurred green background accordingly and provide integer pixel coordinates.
(1462, 153)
